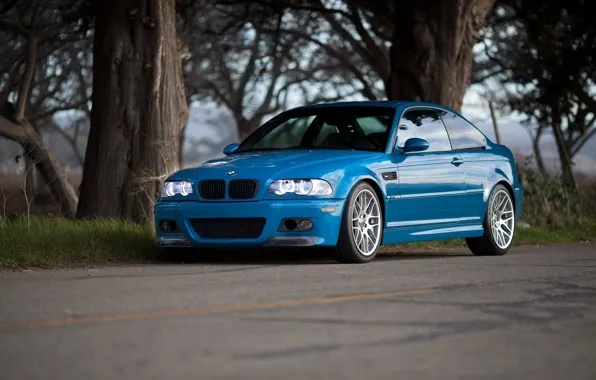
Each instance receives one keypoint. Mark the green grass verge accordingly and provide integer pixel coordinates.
(56, 242)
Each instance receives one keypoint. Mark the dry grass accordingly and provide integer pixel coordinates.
(13, 202)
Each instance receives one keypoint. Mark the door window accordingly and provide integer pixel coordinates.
(463, 135)
(424, 124)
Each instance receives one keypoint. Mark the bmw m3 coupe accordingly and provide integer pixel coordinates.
(349, 176)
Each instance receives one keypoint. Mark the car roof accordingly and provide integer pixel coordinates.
(381, 103)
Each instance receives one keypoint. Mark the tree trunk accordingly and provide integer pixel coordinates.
(138, 110)
(30, 177)
(564, 158)
(246, 127)
(431, 52)
(181, 140)
(36, 151)
(538, 151)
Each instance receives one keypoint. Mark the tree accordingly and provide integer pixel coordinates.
(253, 64)
(138, 110)
(543, 56)
(35, 30)
(419, 50)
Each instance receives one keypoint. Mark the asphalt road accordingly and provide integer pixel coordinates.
(443, 315)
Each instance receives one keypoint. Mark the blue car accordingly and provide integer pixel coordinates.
(349, 176)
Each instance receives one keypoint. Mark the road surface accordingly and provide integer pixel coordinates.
(442, 315)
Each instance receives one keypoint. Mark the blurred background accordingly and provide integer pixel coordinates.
(242, 62)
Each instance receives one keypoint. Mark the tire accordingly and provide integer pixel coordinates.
(351, 246)
(496, 240)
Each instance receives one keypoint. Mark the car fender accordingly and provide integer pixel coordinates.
(353, 176)
(500, 173)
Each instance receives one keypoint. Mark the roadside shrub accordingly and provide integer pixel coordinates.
(550, 203)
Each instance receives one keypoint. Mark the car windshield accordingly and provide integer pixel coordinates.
(355, 128)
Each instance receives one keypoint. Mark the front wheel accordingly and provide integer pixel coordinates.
(499, 225)
(361, 230)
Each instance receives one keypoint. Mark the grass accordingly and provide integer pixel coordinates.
(58, 242)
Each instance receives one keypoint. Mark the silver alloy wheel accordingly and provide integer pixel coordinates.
(502, 219)
(366, 222)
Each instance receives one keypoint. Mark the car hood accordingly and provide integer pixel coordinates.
(292, 163)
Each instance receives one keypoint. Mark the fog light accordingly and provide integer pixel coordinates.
(290, 224)
(306, 224)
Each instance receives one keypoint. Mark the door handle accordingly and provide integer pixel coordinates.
(457, 161)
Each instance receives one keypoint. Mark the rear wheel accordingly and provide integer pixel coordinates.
(361, 230)
(499, 225)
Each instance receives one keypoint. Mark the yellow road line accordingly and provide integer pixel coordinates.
(214, 310)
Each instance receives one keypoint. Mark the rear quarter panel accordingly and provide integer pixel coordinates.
(484, 170)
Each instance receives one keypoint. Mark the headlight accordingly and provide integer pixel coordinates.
(171, 188)
(300, 187)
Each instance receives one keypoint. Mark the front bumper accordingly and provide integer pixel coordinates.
(324, 233)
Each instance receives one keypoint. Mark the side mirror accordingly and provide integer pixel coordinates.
(229, 149)
(415, 145)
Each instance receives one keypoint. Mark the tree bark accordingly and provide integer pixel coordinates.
(246, 126)
(36, 151)
(181, 141)
(564, 158)
(431, 53)
(30, 177)
(138, 110)
(538, 151)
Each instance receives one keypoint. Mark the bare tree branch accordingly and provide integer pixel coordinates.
(49, 112)
(358, 74)
(584, 139)
(249, 70)
(380, 54)
(72, 140)
(11, 130)
(27, 77)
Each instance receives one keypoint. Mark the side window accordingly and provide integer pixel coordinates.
(325, 131)
(463, 135)
(424, 124)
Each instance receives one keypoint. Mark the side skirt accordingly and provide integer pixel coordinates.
(409, 235)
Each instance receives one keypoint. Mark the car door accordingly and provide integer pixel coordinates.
(432, 182)
(470, 144)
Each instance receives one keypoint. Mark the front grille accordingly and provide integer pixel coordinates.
(212, 189)
(243, 189)
(228, 228)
